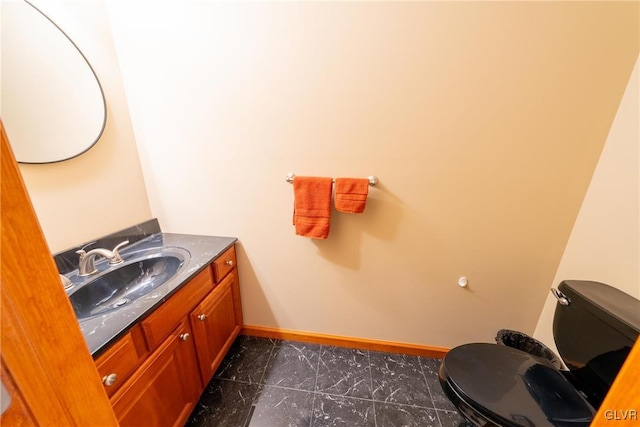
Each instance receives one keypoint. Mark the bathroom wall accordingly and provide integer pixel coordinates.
(483, 120)
(102, 190)
(605, 242)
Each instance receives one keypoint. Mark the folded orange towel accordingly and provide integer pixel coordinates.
(312, 206)
(351, 194)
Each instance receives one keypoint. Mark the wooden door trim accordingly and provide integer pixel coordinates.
(43, 349)
(621, 406)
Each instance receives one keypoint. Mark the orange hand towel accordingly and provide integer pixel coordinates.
(312, 206)
(351, 194)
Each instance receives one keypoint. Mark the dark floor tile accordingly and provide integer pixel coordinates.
(453, 419)
(293, 365)
(430, 368)
(275, 383)
(246, 360)
(391, 415)
(223, 403)
(397, 378)
(333, 411)
(282, 407)
(344, 371)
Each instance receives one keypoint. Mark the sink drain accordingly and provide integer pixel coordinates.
(121, 302)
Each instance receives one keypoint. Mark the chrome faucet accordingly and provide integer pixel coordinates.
(87, 264)
(68, 284)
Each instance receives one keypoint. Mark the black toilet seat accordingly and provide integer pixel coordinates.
(509, 387)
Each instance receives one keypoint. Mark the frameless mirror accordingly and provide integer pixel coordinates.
(51, 102)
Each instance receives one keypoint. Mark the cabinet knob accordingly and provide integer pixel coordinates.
(109, 379)
(184, 336)
(229, 263)
(202, 316)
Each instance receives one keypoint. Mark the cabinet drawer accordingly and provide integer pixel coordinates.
(119, 361)
(163, 320)
(224, 264)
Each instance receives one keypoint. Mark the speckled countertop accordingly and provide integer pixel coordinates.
(102, 330)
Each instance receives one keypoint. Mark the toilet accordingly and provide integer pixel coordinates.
(594, 327)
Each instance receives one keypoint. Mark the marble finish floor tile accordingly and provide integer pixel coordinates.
(345, 372)
(392, 415)
(293, 365)
(246, 360)
(223, 403)
(276, 406)
(398, 378)
(340, 411)
(430, 368)
(274, 383)
(453, 419)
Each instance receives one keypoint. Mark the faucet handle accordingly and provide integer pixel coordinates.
(117, 259)
(68, 284)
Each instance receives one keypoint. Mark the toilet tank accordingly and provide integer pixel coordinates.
(594, 334)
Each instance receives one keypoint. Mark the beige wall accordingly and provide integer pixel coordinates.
(484, 122)
(605, 242)
(103, 190)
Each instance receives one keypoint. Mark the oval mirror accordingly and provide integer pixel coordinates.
(51, 102)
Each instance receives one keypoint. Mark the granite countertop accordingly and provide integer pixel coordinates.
(101, 330)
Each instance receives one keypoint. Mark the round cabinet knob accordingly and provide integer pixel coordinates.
(184, 336)
(109, 379)
(202, 316)
(229, 263)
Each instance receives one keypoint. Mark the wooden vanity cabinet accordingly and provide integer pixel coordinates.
(217, 320)
(164, 362)
(215, 326)
(224, 264)
(157, 326)
(117, 363)
(165, 389)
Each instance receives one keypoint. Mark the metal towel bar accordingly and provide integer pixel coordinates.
(373, 180)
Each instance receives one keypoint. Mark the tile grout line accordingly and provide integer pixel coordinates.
(433, 402)
(373, 404)
(261, 381)
(273, 353)
(364, 399)
(260, 385)
(315, 387)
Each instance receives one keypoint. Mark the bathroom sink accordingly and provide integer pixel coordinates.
(121, 285)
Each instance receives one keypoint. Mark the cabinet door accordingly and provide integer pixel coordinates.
(215, 326)
(165, 389)
(164, 319)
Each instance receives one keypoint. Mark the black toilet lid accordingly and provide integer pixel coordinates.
(513, 387)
